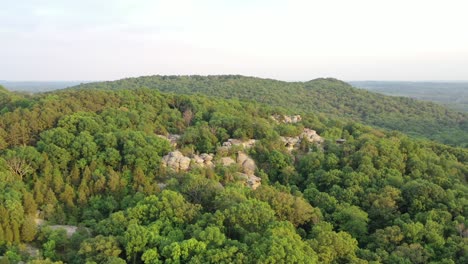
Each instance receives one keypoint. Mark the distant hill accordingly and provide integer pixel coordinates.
(454, 95)
(37, 86)
(329, 96)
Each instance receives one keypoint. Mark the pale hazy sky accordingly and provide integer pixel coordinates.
(287, 40)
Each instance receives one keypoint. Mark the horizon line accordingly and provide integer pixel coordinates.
(207, 75)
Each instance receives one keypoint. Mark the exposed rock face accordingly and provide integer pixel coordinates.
(291, 142)
(292, 119)
(287, 119)
(241, 157)
(236, 142)
(176, 161)
(254, 182)
(247, 163)
(227, 161)
(198, 160)
(311, 136)
(307, 134)
(248, 168)
(204, 160)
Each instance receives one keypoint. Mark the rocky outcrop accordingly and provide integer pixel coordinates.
(248, 169)
(292, 119)
(203, 160)
(227, 161)
(307, 134)
(311, 136)
(237, 142)
(177, 162)
(291, 142)
(247, 164)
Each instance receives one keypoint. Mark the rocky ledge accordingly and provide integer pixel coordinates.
(177, 162)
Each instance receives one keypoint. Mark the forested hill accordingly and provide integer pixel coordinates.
(140, 176)
(329, 96)
(453, 95)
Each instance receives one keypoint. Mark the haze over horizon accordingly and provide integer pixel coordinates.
(286, 40)
(262, 77)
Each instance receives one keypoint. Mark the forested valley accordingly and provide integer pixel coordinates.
(154, 170)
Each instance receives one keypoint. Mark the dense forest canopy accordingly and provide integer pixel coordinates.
(330, 96)
(82, 177)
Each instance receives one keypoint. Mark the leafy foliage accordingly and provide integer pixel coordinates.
(91, 159)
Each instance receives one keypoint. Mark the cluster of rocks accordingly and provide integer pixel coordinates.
(246, 162)
(227, 161)
(307, 134)
(287, 119)
(311, 136)
(237, 142)
(176, 161)
(248, 170)
(243, 160)
(203, 160)
(247, 165)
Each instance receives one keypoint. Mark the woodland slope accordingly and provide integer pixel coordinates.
(328, 96)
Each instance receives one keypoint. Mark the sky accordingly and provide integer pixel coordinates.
(294, 40)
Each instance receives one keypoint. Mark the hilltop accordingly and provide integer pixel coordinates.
(328, 96)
